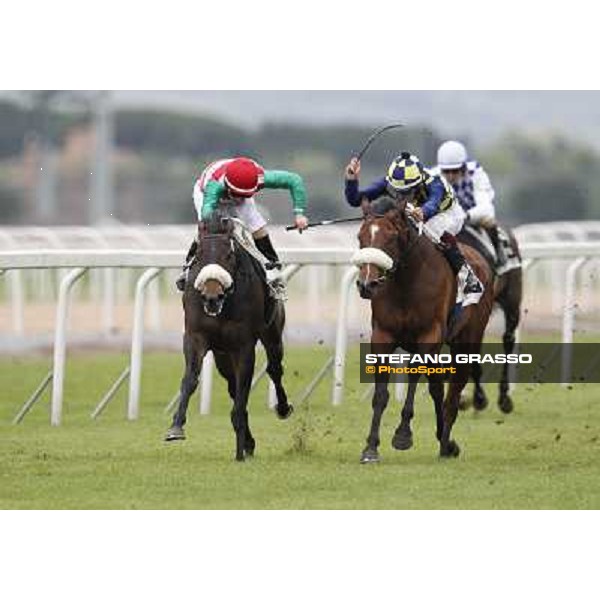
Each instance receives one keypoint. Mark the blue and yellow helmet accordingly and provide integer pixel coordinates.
(405, 173)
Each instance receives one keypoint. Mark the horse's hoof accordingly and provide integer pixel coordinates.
(174, 434)
(480, 400)
(240, 457)
(249, 451)
(284, 412)
(451, 450)
(506, 404)
(402, 440)
(368, 456)
(463, 403)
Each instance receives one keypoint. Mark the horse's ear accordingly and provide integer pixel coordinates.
(227, 224)
(397, 215)
(402, 206)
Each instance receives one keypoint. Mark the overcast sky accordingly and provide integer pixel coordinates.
(479, 114)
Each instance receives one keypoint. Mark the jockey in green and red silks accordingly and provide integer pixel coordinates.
(240, 179)
(429, 199)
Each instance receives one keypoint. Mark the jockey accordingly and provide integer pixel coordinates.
(239, 179)
(433, 202)
(475, 193)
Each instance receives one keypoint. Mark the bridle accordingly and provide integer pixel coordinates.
(405, 250)
(211, 255)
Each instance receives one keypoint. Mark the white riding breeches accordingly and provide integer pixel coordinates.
(451, 220)
(246, 211)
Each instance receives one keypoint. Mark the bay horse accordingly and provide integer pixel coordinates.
(508, 295)
(413, 289)
(227, 309)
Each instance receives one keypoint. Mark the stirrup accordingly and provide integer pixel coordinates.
(183, 276)
(181, 280)
(278, 290)
(277, 286)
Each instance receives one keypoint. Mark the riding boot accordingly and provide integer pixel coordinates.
(498, 247)
(459, 265)
(273, 267)
(189, 261)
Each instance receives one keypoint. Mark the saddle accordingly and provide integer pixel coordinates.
(245, 240)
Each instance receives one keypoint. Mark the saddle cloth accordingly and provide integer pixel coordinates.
(275, 285)
(246, 241)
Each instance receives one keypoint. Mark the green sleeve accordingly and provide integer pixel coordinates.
(285, 180)
(213, 192)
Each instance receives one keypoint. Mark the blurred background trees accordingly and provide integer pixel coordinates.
(49, 151)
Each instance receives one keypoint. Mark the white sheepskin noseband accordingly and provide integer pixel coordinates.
(373, 256)
(215, 272)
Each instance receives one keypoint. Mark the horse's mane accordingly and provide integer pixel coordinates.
(381, 206)
(218, 222)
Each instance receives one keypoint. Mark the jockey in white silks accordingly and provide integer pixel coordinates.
(473, 189)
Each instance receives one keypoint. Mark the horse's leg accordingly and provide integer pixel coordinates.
(384, 344)
(224, 365)
(273, 343)
(239, 415)
(436, 391)
(480, 400)
(403, 439)
(194, 354)
(511, 306)
(458, 380)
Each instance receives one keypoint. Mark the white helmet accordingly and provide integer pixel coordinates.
(451, 155)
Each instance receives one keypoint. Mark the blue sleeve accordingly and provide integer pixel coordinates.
(372, 192)
(435, 195)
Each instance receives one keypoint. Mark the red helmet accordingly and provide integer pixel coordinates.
(241, 177)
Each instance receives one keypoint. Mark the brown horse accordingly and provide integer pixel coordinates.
(227, 310)
(412, 289)
(508, 295)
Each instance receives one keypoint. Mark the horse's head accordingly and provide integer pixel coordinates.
(382, 237)
(217, 261)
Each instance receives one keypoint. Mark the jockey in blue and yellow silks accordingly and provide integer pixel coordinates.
(433, 202)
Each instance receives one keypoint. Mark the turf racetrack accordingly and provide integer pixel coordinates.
(544, 455)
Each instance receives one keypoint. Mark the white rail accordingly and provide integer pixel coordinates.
(79, 261)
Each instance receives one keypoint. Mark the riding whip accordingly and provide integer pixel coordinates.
(375, 135)
(367, 145)
(327, 222)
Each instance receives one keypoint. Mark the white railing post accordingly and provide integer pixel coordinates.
(341, 338)
(137, 343)
(512, 369)
(108, 301)
(60, 343)
(206, 382)
(16, 299)
(568, 323)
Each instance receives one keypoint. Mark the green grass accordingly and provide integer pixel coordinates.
(544, 455)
